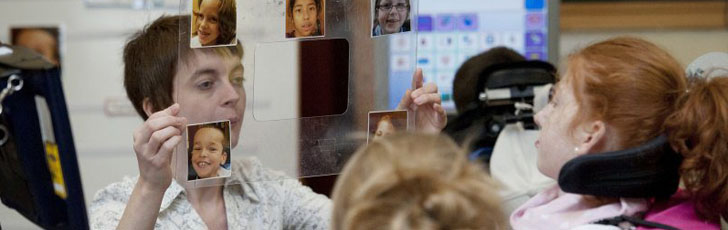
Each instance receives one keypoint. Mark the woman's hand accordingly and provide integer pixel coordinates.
(425, 101)
(154, 143)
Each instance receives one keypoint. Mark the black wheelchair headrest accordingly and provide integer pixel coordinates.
(522, 73)
(649, 170)
(500, 87)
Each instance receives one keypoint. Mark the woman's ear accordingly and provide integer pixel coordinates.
(147, 106)
(591, 137)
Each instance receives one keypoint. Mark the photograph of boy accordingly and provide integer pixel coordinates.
(386, 123)
(209, 150)
(44, 40)
(390, 16)
(305, 18)
(213, 23)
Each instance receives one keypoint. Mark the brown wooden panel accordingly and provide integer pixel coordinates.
(643, 15)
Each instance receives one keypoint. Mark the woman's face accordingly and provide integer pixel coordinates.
(208, 22)
(384, 128)
(391, 15)
(208, 152)
(304, 14)
(556, 144)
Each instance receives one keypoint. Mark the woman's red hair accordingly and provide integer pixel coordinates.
(640, 92)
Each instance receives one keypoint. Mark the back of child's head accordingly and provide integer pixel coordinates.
(415, 181)
(464, 91)
(152, 57)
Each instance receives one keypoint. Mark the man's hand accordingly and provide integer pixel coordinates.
(154, 143)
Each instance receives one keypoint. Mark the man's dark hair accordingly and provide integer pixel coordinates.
(151, 58)
(464, 91)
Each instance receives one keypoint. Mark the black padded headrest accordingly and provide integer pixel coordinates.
(522, 73)
(649, 170)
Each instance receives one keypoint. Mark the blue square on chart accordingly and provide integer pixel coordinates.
(445, 22)
(424, 23)
(534, 4)
(535, 38)
(468, 22)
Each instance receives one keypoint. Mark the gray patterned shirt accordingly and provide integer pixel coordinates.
(269, 200)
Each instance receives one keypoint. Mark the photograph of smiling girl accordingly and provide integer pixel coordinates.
(385, 123)
(208, 150)
(390, 17)
(305, 18)
(213, 23)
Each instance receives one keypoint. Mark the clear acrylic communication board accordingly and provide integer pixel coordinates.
(287, 85)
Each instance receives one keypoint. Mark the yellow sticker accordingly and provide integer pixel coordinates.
(54, 166)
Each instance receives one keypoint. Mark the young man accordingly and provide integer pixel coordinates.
(211, 82)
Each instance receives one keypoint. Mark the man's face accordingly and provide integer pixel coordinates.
(208, 152)
(209, 87)
(391, 15)
(208, 22)
(305, 14)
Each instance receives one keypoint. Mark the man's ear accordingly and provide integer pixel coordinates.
(591, 137)
(148, 107)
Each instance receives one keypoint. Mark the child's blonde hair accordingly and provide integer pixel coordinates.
(415, 181)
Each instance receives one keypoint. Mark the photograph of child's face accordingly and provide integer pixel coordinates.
(213, 23)
(390, 16)
(209, 150)
(44, 40)
(385, 123)
(304, 18)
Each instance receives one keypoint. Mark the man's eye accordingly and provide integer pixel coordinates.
(237, 81)
(204, 85)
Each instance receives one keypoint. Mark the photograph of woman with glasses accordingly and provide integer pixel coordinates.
(390, 16)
